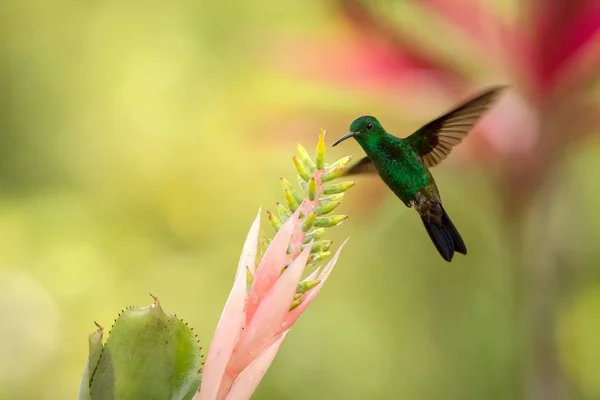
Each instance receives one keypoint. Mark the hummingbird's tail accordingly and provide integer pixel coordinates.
(445, 237)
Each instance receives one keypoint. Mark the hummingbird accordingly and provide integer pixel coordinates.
(404, 164)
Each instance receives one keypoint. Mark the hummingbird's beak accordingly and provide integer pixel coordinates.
(346, 136)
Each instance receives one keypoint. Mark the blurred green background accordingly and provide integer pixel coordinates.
(137, 141)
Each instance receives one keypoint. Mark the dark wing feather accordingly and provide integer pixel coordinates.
(363, 166)
(435, 140)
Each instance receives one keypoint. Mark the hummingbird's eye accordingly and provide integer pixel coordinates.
(370, 126)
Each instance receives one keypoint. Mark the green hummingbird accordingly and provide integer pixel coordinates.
(403, 164)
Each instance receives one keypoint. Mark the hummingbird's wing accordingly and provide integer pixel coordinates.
(435, 140)
(363, 166)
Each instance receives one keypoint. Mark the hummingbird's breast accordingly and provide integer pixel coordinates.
(405, 175)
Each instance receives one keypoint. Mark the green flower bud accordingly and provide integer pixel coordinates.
(312, 189)
(302, 183)
(335, 188)
(283, 212)
(291, 201)
(274, 220)
(309, 221)
(328, 222)
(327, 207)
(320, 153)
(316, 235)
(305, 158)
(302, 171)
(336, 169)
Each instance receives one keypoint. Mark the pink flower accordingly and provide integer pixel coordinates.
(549, 51)
(267, 300)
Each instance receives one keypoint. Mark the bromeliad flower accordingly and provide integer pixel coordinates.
(269, 294)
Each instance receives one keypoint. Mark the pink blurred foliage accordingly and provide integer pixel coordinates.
(256, 320)
(550, 55)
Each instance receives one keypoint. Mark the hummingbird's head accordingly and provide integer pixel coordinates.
(362, 127)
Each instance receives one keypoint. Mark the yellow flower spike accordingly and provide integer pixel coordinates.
(320, 153)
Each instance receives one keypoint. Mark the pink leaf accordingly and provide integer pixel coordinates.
(231, 322)
(269, 315)
(310, 296)
(247, 382)
(313, 275)
(273, 261)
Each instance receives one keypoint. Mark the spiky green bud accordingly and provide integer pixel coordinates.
(335, 188)
(148, 355)
(328, 222)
